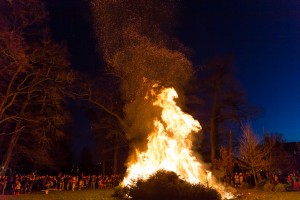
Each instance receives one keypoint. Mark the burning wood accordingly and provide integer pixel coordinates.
(169, 146)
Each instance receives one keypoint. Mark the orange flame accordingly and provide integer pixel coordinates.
(169, 146)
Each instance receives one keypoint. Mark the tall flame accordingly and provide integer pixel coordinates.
(169, 147)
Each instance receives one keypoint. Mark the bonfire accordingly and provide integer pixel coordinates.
(169, 146)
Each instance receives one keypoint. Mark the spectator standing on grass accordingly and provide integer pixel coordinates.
(51, 182)
(74, 181)
(25, 184)
(55, 183)
(80, 184)
(236, 180)
(93, 182)
(47, 186)
(232, 181)
(38, 183)
(44, 181)
(102, 184)
(275, 179)
(241, 179)
(65, 182)
(69, 183)
(61, 182)
(31, 182)
(289, 180)
(87, 181)
(295, 181)
(17, 187)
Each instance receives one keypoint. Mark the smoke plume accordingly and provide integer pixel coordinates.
(134, 40)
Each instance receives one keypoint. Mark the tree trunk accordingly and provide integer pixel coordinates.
(116, 151)
(255, 178)
(270, 161)
(103, 162)
(9, 152)
(230, 152)
(103, 167)
(213, 125)
(2, 138)
(14, 139)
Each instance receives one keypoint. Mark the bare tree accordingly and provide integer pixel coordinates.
(103, 107)
(221, 101)
(225, 162)
(252, 153)
(36, 75)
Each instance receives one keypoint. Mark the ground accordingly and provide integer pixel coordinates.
(89, 194)
(106, 194)
(253, 194)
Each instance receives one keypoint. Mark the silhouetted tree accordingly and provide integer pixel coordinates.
(252, 153)
(220, 102)
(36, 75)
(275, 145)
(225, 162)
(103, 108)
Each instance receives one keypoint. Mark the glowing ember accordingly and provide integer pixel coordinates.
(169, 147)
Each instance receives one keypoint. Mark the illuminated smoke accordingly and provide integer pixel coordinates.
(134, 44)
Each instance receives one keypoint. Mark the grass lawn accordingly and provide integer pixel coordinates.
(254, 194)
(88, 194)
(106, 194)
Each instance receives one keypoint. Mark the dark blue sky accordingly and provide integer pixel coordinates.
(262, 35)
(264, 38)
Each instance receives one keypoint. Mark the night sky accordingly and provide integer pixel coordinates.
(262, 35)
(264, 38)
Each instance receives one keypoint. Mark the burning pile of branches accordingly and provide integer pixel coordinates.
(166, 185)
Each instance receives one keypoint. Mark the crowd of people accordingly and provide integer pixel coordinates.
(238, 179)
(293, 180)
(21, 184)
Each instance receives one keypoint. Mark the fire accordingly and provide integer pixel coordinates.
(169, 146)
